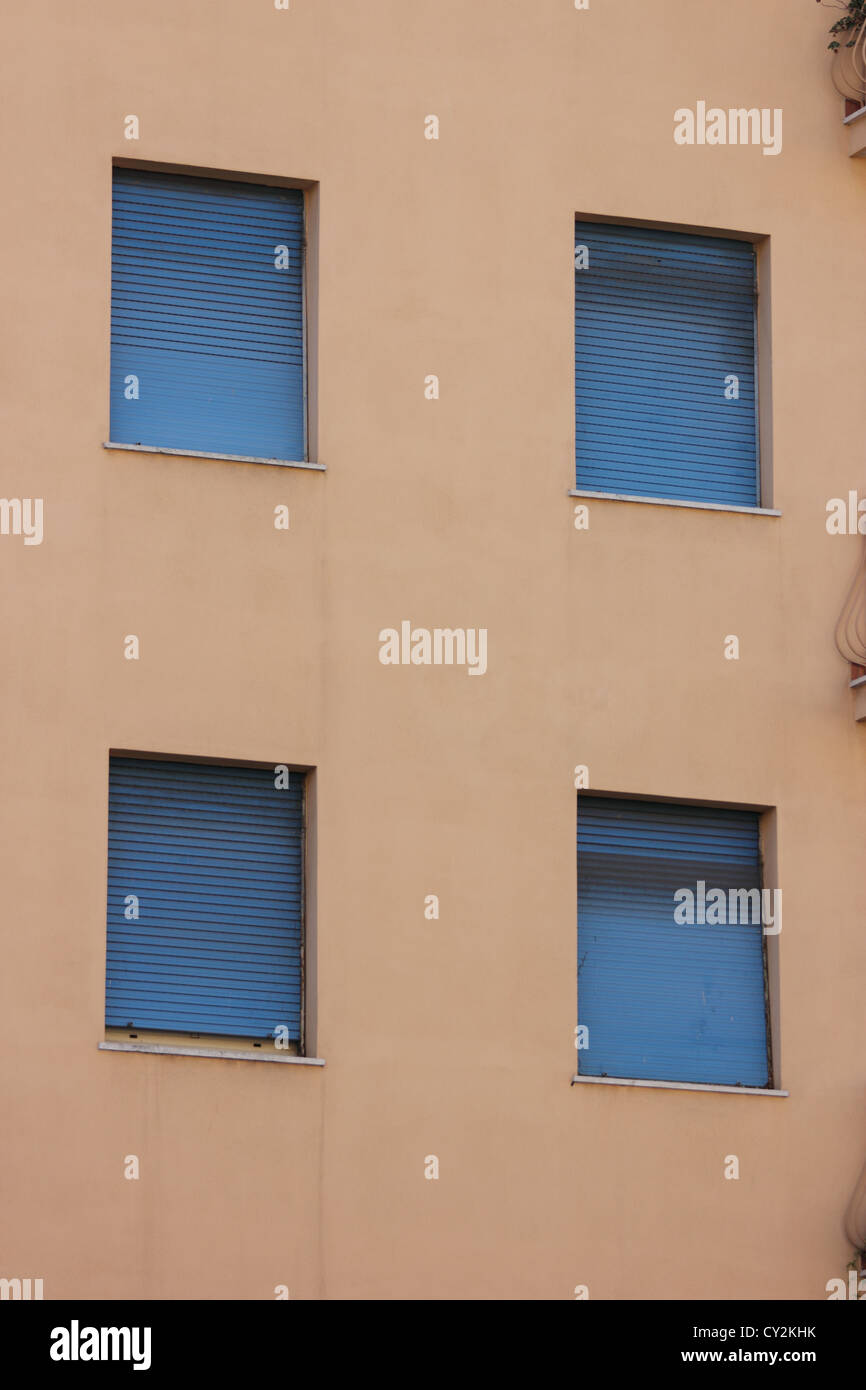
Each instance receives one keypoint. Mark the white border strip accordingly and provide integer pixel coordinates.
(675, 502)
(197, 454)
(250, 1056)
(675, 1086)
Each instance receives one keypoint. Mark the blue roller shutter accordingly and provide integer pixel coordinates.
(214, 856)
(663, 1001)
(662, 321)
(207, 323)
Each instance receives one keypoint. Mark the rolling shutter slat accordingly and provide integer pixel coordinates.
(664, 1001)
(214, 855)
(661, 319)
(201, 316)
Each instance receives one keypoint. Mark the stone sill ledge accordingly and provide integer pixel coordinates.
(674, 502)
(233, 1056)
(198, 454)
(856, 125)
(676, 1086)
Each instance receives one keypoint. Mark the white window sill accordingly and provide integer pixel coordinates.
(674, 502)
(245, 1056)
(676, 1086)
(198, 454)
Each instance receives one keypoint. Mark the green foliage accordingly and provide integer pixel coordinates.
(850, 22)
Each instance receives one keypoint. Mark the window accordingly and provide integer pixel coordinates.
(670, 991)
(205, 893)
(207, 316)
(665, 365)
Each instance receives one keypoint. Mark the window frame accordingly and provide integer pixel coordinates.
(309, 310)
(149, 1039)
(762, 338)
(768, 867)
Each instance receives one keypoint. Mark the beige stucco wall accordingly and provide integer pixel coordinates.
(452, 1037)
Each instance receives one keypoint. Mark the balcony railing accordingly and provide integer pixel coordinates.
(851, 637)
(849, 65)
(849, 78)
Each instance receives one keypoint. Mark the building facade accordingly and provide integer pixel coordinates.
(478, 378)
